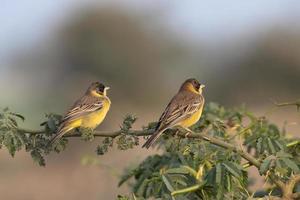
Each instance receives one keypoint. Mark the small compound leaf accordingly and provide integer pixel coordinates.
(188, 189)
(291, 164)
(18, 116)
(232, 169)
(271, 146)
(179, 170)
(265, 166)
(167, 183)
(219, 173)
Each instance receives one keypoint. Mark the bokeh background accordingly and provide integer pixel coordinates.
(246, 52)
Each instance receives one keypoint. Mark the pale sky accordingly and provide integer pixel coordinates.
(23, 23)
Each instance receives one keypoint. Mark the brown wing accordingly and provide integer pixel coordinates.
(83, 106)
(182, 105)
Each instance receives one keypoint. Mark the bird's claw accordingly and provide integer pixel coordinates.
(187, 134)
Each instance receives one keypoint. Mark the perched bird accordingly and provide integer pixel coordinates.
(183, 111)
(88, 112)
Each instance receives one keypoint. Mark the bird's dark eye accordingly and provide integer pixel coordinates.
(100, 88)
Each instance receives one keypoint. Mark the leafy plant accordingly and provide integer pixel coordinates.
(210, 163)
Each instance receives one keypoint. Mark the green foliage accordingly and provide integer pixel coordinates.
(106, 143)
(121, 197)
(187, 167)
(87, 134)
(128, 122)
(37, 143)
(123, 141)
(14, 139)
(196, 169)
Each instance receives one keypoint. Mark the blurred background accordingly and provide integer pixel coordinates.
(245, 52)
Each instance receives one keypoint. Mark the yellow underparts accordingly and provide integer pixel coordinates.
(193, 119)
(93, 119)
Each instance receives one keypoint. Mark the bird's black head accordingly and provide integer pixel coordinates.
(192, 84)
(97, 88)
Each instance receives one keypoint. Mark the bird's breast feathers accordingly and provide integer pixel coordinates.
(192, 119)
(93, 119)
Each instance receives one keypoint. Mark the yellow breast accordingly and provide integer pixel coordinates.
(194, 118)
(94, 119)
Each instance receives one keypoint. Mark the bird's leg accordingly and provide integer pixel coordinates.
(188, 131)
(176, 135)
(176, 132)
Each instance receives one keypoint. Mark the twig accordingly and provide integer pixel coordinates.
(292, 183)
(95, 133)
(293, 103)
(203, 135)
(296, 195)
(200, 135)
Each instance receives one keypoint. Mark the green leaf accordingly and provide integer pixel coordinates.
(8, 142)
(179, 170)
(271, 146)
(18, 116)
(167, 183)
(265, 165)
(282, 154)
(180, 181)
(291, 164)
(228, 183)
(219, 173)
(188, 189)
(232, 169)
(280, 146)
(87, 134)
(127, 122)
(142, 187)
(37, 157)
(282, 171)
(278, 164)
(259, 145)
(51, 125)
(191, 171)
(121, 197)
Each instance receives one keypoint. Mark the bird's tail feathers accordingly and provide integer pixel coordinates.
(152, 139)
(61, 131)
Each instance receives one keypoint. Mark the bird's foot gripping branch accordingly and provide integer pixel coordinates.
(209, 163)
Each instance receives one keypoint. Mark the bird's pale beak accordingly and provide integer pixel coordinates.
(107, 88)
(202, 86)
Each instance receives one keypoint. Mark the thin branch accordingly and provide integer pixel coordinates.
(278, 182)
(32, 132)
(293, 103)
(219, 142)
(203, 135)
(293, 143)
(296, 195)
(186, 190)
(95, 133)
(293, 181)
